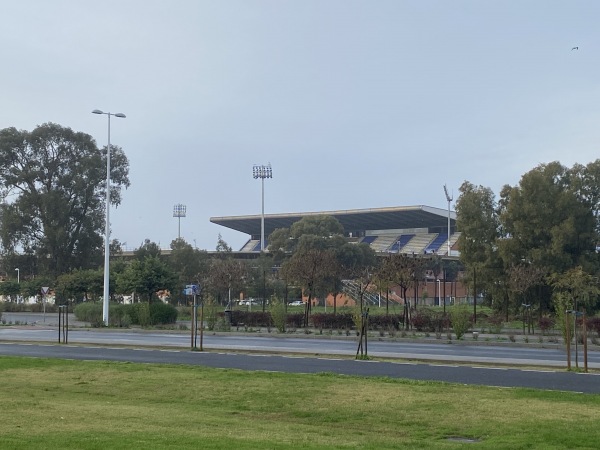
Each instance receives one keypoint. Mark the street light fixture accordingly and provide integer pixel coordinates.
(18, 275)
(262, 172)
(448, 199)
(107, 227)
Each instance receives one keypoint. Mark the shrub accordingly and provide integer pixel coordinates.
(460, 317)
(593, 324)
(162, 313)
(495, 323)
(439, 321)
(140, 314)
(421, 320)
(295, 320)
(89, 312)
(545, 324)
(210, 313)
(383, 322)
(278, 315)
(332, 321)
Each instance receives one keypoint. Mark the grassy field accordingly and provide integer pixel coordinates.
(57, 404)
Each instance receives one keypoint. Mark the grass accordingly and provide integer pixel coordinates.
(58, 404)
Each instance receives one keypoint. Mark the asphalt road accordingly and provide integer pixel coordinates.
(538, 379)
(441, 351)
(13, 338)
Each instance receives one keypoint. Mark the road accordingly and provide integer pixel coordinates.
(268, 352)
(483, 353)
(538, 379)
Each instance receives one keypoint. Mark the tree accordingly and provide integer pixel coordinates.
(402, 269)
(573, 289)
(226, 276)
(312, 243)
(222, 246)
(191, 265)
(478, 222)
(146, 277)
(80, 285)
(147, 249)
(55, 178)
(351, 261)
(310, 267)
(11, 289)
(545, 221)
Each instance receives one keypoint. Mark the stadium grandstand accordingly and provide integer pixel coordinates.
(404, 229)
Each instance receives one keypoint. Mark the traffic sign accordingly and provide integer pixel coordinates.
(45, 290)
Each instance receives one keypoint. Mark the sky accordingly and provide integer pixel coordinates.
(354, 103)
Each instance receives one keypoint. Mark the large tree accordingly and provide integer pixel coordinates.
(52, 181)
(546, 222)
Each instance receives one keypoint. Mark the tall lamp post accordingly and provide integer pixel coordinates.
(18, 275)
(448, 199)
(179, 212)
(107, 227)
(262, 172)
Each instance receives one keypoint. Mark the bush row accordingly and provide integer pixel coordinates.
(120, 315)
(339, 321)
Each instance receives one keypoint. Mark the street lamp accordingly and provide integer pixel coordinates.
(18, 275)
(179, 212)
(107, 227)
(448, 199)
(262, 172)
(439, 292)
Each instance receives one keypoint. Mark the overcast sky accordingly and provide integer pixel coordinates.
(355, 103)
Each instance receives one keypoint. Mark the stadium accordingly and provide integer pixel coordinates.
(405, 229)
(411, 230)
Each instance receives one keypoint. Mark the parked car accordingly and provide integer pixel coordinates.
(249, 302)
(296, 303)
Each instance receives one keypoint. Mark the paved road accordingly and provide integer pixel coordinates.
(453, 353)
(179, 344)
(551, 380)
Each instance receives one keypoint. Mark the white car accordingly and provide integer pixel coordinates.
(296, 303)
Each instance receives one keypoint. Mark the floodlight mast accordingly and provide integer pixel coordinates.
(179, 212)
(449, 199)
(262, 172)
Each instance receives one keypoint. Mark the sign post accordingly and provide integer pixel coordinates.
(192, 290)
(45, 291)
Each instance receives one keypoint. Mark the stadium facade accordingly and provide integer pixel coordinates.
(403, 229)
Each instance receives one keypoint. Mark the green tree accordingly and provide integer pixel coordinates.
(311, 246)
(478, 221)
(191, 265)
(146, 277)
(55, 178)
(147, 249)
(10, 289)
(80, 285)
(572, 290)
(545, 221)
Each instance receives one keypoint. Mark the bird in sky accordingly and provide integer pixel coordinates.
(575, 48)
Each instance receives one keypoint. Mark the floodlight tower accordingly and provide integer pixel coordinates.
(262, 172)
(449, 199)
(179, 212)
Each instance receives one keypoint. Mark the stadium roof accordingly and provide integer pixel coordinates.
(393, 218)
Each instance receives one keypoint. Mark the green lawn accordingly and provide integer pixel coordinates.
(49, 403)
